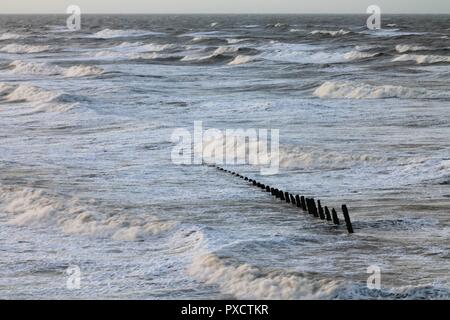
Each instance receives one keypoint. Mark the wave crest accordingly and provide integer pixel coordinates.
(350, 90)
(422, 59)
(332, 33)
(23, 48)
(27, 67)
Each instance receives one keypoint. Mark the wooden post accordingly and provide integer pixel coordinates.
(335, 217)
(303, 203)
(286, 195)
(267, 189)
(282, 195)
(292, 199)
(347, 219)
(321, 213)
(314, 208)
(297, 201)
(254, 182)
(308, 205)
(327, 213)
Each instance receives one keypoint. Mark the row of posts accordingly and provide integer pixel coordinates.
(306, 204)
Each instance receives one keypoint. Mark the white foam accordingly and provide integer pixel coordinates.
(28, 207)
(241, 59)
(332, 33)
(30, 93)
(357, 55)
(422, 59)
(83, 71)
(28, 67)
(224, 49)
(10, 36)
(300, 53)
(22, 48)
(109, 33)
(234, 41)
(401, 48)
(352, 90)
(248, 282)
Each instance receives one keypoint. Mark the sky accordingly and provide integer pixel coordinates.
(225, 6)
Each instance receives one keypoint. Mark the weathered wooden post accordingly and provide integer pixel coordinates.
(315, 213)
(286, 196)
(303, 202)
(335, 217)
(308, 206)
(292, 199)
(327, 213)
(347, 219)
(282, 195)
(267, 189)
(321, 213)
(297, 201)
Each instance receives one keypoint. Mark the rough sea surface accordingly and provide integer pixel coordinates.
(86, 177)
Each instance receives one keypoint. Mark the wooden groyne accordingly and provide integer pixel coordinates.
(309, 205)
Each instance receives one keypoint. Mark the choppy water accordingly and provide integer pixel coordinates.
(86, 177)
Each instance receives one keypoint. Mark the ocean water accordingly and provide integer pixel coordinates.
(87, 179)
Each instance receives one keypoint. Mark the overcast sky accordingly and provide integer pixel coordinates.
(225, 6)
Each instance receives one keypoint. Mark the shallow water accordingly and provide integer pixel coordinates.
(86, 175)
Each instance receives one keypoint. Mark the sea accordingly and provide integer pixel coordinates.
(92, 205)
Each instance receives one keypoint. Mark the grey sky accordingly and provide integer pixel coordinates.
(225, 6)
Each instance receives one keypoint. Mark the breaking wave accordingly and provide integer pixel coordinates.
(241, 59)
(244, 281)
(40, 99)
(358, 55)
(10, 36)
(26, 67)
(248, 282)
(422, 59)
(332, 33)
(23, 48)
(28, 206)
(351, 90)
(109, 33)
(401, 48)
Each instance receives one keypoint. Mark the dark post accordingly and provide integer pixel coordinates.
(254, 182)
(327, 213)
(292, 199)
(347, 219)
(286, 195)
(282, 195)
(303, 202)
(267, 189)
(308, 205)
(297, 201)
(335, 217)
(314, 208)
(321, 213)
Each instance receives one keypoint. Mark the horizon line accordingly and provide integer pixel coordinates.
(218, 13)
